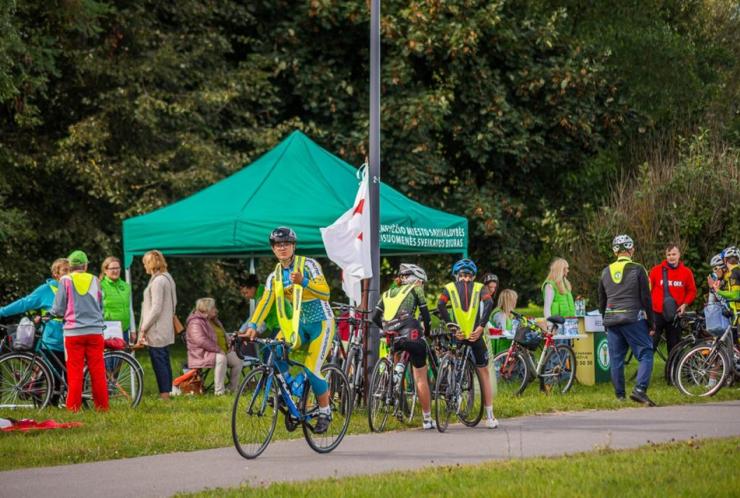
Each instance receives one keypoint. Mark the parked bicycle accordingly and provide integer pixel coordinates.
(455, 390)
(706, 367)
(352, 360)
(515, 368)
(693, 329)
(265, 392)
(35, 378)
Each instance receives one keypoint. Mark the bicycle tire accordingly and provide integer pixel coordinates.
(408, 394)
(468, 415)
(379, 401)
(256, 402)
(559, 370)
(512, 377)
(669, 371)
(124, 377)
(444, 402)
(340, 402)
(694, 376)
(26, 382)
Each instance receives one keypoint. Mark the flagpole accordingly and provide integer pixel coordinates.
(374, 172)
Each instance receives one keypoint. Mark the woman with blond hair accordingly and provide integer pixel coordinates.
(116, 295)
(556, 291)
(157, 313)
(207, 345)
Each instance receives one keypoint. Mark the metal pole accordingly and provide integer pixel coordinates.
(374, 171)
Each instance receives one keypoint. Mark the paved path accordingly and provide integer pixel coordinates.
(546, 435)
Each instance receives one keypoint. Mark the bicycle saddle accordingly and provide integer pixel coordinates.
(556, 319)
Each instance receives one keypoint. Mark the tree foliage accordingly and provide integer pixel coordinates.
(505, 112)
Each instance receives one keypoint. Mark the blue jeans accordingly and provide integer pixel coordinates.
(636, 336)
(162, 369)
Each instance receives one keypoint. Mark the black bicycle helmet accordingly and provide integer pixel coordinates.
(490, 277)
(282, 234)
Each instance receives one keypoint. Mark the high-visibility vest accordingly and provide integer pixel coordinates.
(465, 319)
(391, 304)
(289, 326)
(42, 312)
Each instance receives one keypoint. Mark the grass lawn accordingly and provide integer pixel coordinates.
(190, 423)
(692, 468)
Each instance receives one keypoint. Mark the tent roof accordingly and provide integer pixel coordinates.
(298, 184)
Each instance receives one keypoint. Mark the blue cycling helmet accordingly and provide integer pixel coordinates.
(464, 265)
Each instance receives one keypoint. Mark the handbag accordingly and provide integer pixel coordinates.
(670, 307)
(176, 323)
(190, 382)
(716, 320)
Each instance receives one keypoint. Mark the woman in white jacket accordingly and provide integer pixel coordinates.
(157, 314)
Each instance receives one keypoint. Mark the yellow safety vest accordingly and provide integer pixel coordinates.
(465, 319)
(393, 303)
(289, 326)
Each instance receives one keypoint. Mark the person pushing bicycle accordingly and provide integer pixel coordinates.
(471, 306)
(299, 280)
(401, 303)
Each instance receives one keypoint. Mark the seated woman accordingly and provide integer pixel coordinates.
(204, 350)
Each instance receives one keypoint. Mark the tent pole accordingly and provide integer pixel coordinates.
(373, 290)
(131, 308)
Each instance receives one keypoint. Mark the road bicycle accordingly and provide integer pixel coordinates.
(708, 366)
(37, 378)
(392, 388)
(515, 368)
(351, 360)
(693, 327)
(266, 391)
(455, 390)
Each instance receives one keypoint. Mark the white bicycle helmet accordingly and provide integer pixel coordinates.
(622, 243)
(411, 273)
(717, 261)
(732, 252)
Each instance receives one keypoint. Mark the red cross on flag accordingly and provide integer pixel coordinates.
(347, 243)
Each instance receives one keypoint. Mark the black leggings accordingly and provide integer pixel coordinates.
(417, 350)
(480, 351)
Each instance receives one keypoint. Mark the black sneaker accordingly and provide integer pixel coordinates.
(640, 396)
(322, 423)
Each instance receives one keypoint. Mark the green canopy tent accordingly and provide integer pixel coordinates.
(298, 184)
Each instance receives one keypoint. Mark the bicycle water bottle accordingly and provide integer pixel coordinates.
(298, 384)
(398, 372)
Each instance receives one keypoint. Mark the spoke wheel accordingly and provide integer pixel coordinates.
(445, 402)
(512, 372)
(340, 402)
(380, 399)
(558, 371)
(124, 378)
(25, 382)
(701, 372)
(470, 410)
(674, 357)
(254, 415)
(408, 394)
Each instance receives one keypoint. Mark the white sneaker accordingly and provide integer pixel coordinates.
(491, 423)
(711, 383)
(428, 424)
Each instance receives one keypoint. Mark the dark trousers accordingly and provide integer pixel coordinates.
(162, 369)
(635, 336)
(672, 332)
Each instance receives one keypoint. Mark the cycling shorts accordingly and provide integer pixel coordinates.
(416, 348)
(480, 351)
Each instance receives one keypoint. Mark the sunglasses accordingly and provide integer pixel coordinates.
(465, 274)
(282, 244)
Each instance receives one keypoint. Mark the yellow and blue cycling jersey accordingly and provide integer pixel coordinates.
(315, 307)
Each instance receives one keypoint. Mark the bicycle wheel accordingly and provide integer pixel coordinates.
(340, 402)
(25, 382)
(558, 370)
(468, 413)
(445, 402)
(701, 371)
(408, 394)
(380, 397)
(512, 372)
(669, 372)
(255, 413)
(125, 379)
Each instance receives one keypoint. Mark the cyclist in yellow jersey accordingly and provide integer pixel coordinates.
(471, 306)
(729, 287)
(299, 280)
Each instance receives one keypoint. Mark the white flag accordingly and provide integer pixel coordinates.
(347, 243)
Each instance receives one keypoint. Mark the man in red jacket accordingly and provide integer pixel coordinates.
(681, 287)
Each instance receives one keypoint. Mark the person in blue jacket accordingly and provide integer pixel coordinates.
(41, 300)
